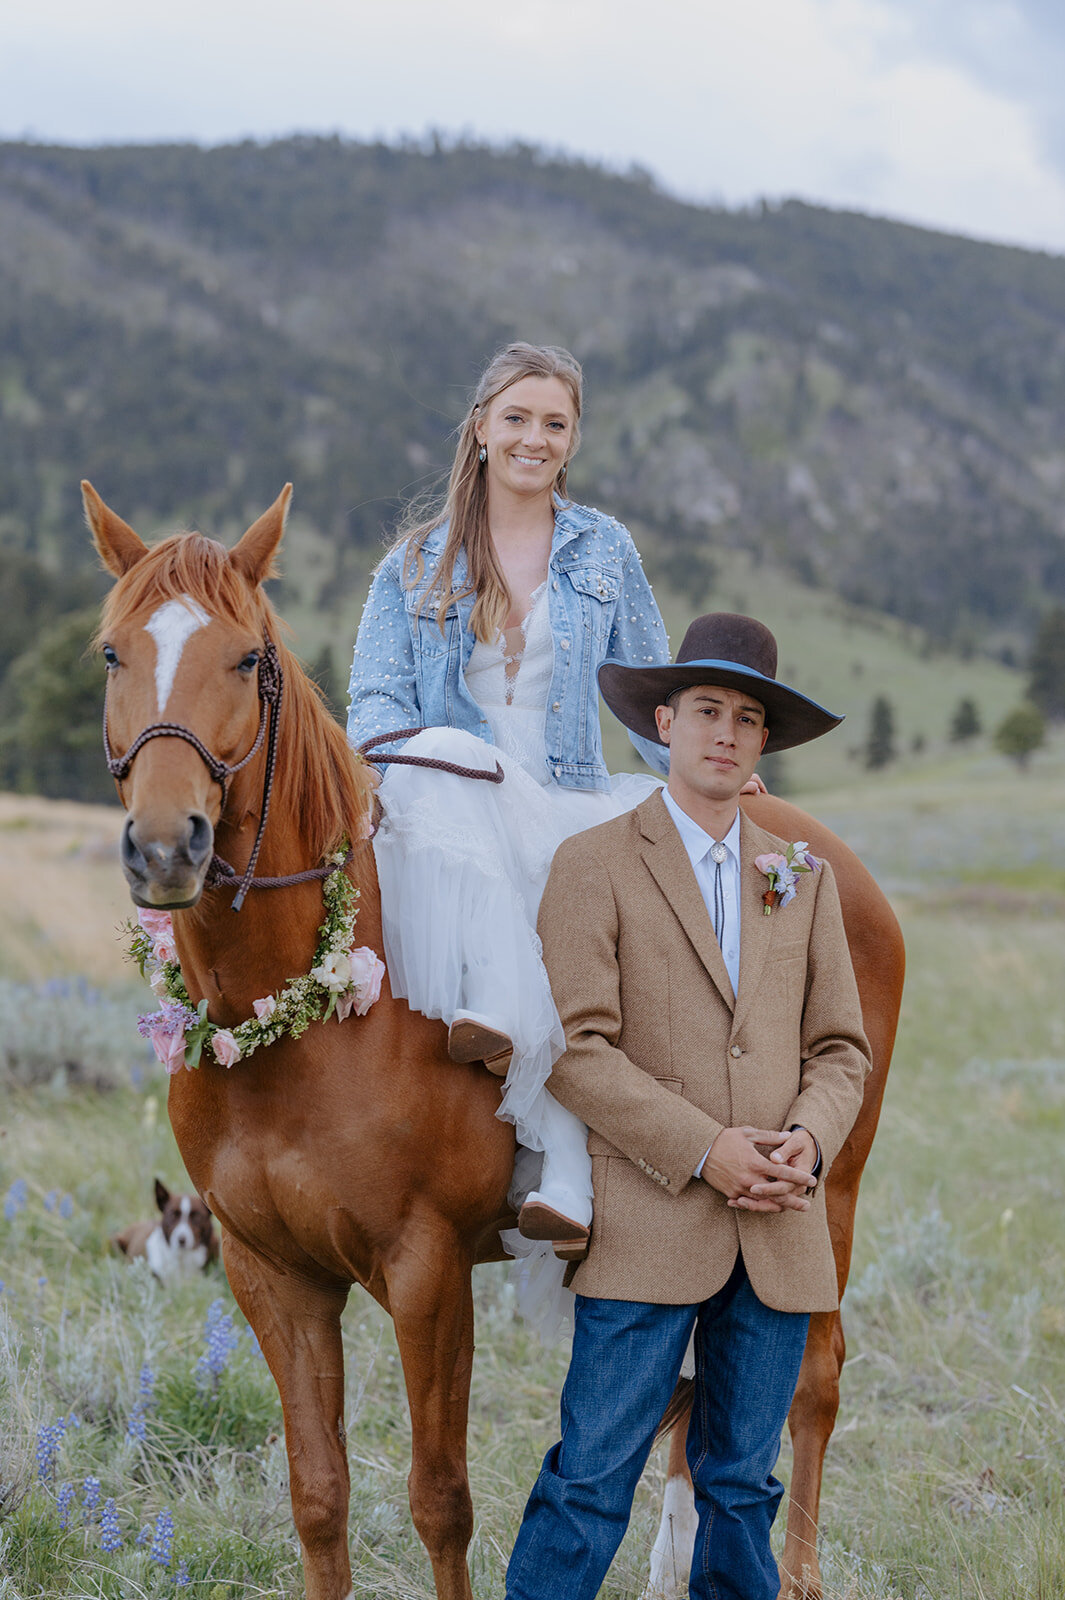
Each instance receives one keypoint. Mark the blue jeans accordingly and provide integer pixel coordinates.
(626, 1360)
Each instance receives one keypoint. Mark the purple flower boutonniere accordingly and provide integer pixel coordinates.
(783, 872)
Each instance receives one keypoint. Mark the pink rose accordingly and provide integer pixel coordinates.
(225, 1047)
(771, 862)
(367, 972)
(264, 1009)
(169, 1046)
(159, 927)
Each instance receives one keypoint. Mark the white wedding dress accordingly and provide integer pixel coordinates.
(463, 864)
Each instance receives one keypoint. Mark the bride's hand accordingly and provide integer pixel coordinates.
(754, 785)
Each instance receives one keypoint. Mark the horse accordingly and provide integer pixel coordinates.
(357, 1152)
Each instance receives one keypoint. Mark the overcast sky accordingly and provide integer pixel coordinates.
(946, 112)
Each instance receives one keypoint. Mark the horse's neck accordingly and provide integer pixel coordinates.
(250, 954)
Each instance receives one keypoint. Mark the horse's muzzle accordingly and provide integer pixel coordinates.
(167, 875)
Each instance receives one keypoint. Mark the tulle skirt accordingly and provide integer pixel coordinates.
(462, 865)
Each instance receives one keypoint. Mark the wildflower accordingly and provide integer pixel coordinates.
(15, 1200)
(253, 1340)
(66, 1208)
(144, 1536)
(162, 1538)
(51, 1199)
(181, 1576)
(64, 1502)
(136, 1427)
(220, 1337)
(110, 1537)
(48, 1441)
(90, 1498)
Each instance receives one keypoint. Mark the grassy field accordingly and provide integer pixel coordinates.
(944, 1479)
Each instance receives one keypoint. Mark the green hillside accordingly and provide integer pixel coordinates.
(829, 414)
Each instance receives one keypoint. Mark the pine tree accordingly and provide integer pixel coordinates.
(1046, 665)
(880, 746)
(965, 723)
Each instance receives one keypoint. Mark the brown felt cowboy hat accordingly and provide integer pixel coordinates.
(732, 651)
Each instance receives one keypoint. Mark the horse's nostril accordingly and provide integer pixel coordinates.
(130, 850)
(200, 838)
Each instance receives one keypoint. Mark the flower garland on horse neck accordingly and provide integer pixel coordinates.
(342, 980)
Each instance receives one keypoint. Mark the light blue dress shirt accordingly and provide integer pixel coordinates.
(697, 843)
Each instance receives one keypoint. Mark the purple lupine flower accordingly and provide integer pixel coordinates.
(15, 1200)
(181, 1576)
(110, 1537)
(144, 1536)
(162, 1538)
(90, 1498)
(64, 1502)
(220, 1338)
(66, 1207)
(48, 1441)
(136, 1427)
(51, 1199)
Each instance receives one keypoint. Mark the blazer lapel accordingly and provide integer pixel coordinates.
(668, 863)
(756, 929)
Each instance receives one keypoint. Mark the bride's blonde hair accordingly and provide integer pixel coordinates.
(465, 507)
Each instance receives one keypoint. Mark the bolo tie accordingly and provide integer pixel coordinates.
(717, 855)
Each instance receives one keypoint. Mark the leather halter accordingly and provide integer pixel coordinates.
(271, 688)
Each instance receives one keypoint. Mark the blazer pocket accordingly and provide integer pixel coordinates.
(793, 972)
(598, 1145)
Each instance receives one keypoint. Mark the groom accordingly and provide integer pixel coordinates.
(716, 1053)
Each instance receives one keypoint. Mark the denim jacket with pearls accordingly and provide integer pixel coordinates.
(406, 673)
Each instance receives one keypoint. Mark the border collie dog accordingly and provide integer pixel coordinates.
(181, 1242)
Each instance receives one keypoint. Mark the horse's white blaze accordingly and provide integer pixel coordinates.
(171, 627)
(671, 1557)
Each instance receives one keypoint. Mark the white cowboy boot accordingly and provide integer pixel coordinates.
(473, 1036)
(561, 1208)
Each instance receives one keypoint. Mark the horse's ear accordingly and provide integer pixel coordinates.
(253, 557)
(118, 546)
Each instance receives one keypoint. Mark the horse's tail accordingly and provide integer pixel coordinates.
(678, 1407)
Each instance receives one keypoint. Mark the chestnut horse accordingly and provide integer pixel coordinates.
(358, 1153)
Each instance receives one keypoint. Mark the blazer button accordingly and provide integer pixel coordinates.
(735, 1052)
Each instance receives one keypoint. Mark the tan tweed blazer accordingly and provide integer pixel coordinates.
(661, 1057)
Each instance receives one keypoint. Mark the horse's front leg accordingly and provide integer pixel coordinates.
(297, 1323)
(431, 1299)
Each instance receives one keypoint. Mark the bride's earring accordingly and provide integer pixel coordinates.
(482, 454)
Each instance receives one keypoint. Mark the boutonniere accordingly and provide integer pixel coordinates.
(783, 873)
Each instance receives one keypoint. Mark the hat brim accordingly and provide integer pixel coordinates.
(632, 693)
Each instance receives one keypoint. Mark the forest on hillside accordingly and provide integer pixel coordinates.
(876, 409)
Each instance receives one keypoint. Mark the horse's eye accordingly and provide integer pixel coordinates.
(250, 662)
(110, 658)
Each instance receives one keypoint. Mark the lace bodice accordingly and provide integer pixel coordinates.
(515, 703)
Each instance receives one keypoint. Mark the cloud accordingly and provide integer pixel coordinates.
(924, 109)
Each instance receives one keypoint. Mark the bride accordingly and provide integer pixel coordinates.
(485, 625)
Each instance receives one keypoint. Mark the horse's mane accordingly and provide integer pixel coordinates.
(316, 767)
